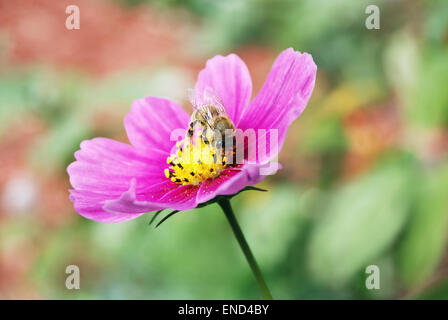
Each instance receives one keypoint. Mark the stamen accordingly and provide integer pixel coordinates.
(195, 161)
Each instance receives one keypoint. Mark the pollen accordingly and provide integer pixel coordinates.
(194, 161)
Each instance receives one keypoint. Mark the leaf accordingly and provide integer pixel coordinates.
(272, 223)
(429, 99)
(424, 242)
(360, 222)
(438, 291)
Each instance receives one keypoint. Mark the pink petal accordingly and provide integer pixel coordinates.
(181, 198)
(230, 79)
(128, 203)
(229, 182)
(106, 164)
(90, 205)
(115, 182)
(283, 96)
(151, 121)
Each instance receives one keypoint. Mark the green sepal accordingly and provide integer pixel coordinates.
(201, 205)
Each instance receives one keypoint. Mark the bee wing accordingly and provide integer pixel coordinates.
(208, 97)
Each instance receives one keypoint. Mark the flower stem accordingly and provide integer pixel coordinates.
(227, 208)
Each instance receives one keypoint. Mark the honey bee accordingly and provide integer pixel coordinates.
(211, 117)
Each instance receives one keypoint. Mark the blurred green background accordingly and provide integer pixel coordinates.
(365, 170)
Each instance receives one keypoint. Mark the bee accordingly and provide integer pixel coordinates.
(211, 117)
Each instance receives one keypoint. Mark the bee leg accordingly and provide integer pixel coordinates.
(191, 126)
(190, 131)
(204, 133)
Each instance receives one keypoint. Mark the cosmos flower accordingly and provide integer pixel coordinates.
(114, 181)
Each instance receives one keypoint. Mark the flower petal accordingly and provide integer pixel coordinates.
(128, 203)
(230, 78)
(115, 182)
(283, 96)
(151, 122)
(231, 181)
(181, 198)
(89, 205)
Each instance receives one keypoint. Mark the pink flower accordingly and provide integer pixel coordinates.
(115, 182)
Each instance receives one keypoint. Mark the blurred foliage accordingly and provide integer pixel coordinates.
(424, 243)
(364, 179)
(372, 210)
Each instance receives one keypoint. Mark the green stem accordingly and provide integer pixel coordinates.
(227, 208)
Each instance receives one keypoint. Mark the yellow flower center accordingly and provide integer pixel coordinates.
(195, 161)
